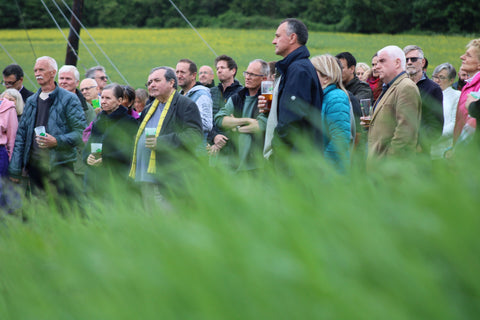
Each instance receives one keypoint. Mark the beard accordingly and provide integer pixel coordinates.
(411, 71)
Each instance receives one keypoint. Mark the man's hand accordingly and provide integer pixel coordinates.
(151, 142)
(262, 105)
(220, 141)
(251, 127)
(46, 142)
(14, 180)
(92, 161)
(365, 121)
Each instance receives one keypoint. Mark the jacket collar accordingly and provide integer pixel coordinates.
(298, 54)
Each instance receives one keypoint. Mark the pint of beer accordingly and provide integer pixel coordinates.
(267, 92)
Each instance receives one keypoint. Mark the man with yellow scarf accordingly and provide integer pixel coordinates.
(170, 128)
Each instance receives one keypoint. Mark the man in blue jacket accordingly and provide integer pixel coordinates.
(48, 158)
(297, 97)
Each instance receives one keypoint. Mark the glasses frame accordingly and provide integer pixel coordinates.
(9, 83)
(413, 59)
(246, 73)
(87, 88)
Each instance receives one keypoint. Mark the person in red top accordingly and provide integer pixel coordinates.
(373, 80)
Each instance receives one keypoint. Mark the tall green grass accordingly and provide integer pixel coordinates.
(136, 51)
(400, 242)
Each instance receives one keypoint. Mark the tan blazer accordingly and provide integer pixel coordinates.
(395, 121)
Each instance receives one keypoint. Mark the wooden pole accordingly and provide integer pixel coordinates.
(77, 9)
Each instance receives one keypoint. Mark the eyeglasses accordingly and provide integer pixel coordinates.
(87, 88)
(103, 78)
(439, 77)
(9, 83)
(413, 59)
(245, 74)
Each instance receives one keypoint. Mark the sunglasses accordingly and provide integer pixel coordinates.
(413, 59)
(9, 83)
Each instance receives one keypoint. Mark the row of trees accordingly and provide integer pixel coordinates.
(364, 16)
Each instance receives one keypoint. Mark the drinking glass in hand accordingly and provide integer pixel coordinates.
(267, 92)
(366, 105)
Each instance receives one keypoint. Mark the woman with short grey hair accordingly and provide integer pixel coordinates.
(444, 75)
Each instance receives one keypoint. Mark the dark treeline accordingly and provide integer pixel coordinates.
(364, 16)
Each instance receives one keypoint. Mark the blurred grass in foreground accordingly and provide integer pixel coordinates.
(399, 243)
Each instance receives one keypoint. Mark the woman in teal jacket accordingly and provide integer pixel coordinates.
(336, 122)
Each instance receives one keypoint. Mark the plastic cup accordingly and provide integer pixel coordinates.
(40, 131)
(96, 150)
(149, 132)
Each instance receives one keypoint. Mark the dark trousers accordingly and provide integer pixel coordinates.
(60, 178)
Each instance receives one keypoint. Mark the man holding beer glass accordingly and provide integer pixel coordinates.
(297, 94)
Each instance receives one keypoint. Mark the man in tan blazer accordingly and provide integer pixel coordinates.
(395, 122)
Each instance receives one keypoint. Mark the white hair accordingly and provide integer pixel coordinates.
(51, 62)
(19, 104)
(70, 68)
(395, 53)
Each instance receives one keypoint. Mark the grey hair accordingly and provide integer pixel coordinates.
(396, 53)
(90, 73)
(70, 68)
(19, 104)
(169, 74)
(51, 62)
(412, 47)
(451, 72)
(264, 69)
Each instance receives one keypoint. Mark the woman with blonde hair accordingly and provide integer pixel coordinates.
(336, 111)
(362, 70)
(15, 96)
(464, 124)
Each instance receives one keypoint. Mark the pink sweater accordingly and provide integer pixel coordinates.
(462, 117)
(8, 125)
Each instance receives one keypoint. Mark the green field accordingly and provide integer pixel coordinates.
(398, 243)
(136, 51)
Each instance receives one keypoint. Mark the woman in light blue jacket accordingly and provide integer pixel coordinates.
(336, 121)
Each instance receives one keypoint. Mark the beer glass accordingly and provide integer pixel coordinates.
(267, 92)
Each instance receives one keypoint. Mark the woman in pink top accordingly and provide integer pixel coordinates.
(464, 124)
(8, 130)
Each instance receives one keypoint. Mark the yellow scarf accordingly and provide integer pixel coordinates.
(151, 164)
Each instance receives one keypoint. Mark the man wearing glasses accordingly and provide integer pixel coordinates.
(89, 89)
(242, 122)
(431, 125)
(13, 78)
(99, 74)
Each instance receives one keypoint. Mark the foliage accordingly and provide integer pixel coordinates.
(365, 16)
(397, 243)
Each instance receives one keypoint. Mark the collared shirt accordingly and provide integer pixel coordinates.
(385, 87)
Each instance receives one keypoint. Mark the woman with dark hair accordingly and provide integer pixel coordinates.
(115, 130)
(129, 100)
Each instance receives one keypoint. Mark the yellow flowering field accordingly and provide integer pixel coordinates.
(136, 51)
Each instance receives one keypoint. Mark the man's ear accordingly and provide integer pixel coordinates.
(293, 38)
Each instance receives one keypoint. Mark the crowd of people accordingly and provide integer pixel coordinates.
(71, 130)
